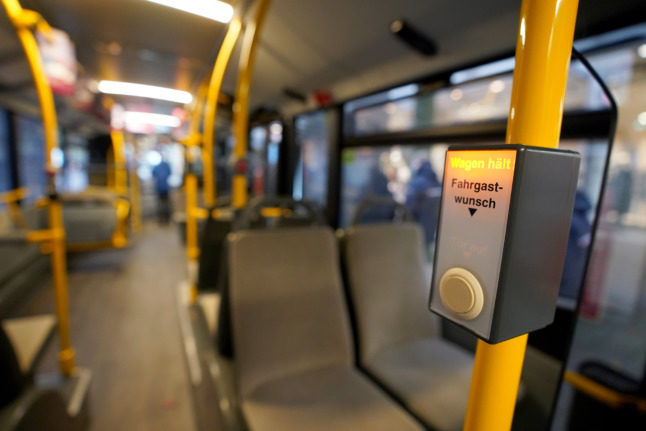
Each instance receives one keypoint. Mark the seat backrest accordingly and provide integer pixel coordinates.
(388, 285)
(13, 381)
(287, 305)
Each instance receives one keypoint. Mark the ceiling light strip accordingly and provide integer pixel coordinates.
(147, 91)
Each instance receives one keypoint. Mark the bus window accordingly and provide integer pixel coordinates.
(608, 343)
(409, 174)
(31, 158)
(5, 156)
(313, 137)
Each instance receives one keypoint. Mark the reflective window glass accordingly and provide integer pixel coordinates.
(31, 156)
(5, 156)
(609, 345)
(313, 137)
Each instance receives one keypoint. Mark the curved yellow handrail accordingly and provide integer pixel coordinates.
(241, 101)
(602, 393)
(24, 21)
(210, 111)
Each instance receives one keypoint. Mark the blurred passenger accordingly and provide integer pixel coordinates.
(161, 173)
(577, 247)
(622, 184)
(423, 199)
(377, 189)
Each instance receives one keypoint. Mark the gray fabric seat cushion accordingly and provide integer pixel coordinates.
(331, 398)
(389, 285)
(399, 338)
(291, 334)
(432, 377)
(91, 222)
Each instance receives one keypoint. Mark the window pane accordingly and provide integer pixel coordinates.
(5, 159)
(313, 136)
(31, 156)
(611, 324)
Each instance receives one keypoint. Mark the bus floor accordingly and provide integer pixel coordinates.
(124, 328)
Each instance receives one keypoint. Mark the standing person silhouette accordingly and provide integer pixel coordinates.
(161, 173)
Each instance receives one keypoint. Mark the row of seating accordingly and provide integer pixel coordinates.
(298, 364)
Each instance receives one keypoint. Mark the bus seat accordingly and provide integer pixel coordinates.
(293, 213)
(294, 354)
(89, 216)
(399, 339)
(212, 240)
(13, 380)
(29, 336)
(22, 265)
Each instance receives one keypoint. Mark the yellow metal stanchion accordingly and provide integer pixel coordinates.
(109, 171)
(210, 111)
(24, 21)
(119, 166)
(135, 201)
(120, 186)
(193, 140)
(543, 49)
(241, 101)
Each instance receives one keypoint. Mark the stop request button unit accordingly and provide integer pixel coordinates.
(503, 230)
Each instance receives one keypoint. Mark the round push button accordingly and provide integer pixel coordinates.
(461, 293)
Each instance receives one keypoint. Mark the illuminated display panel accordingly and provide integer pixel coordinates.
(476, 195)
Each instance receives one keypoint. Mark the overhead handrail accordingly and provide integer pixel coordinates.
(241, 102)
(24, 21)
(206, 103)
(210, 110)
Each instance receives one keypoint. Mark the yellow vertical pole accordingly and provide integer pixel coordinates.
(543, 49)
(241, 101)
(109, 168)
(120, 186)
(135, 200)
(119, 174)
(210, 111)
(193, 140)
(24, 21)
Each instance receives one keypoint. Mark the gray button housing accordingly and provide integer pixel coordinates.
(515, 251)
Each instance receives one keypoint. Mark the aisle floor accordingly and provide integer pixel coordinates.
(125, 330)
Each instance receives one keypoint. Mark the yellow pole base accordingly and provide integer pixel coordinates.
(494, 385)
(66, 359)
(193, 294)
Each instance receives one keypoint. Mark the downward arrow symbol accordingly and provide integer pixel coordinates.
(472, 211)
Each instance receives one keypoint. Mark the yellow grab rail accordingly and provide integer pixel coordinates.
(24, 21)
(12, 198)
(135, 200)
(194, 139)
(119, 173)
(210, 111)
(241, 101)
(602, 393)
(543, 49)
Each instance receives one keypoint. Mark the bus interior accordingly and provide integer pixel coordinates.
(227, 217)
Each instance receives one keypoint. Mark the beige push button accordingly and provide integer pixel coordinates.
(461, 293)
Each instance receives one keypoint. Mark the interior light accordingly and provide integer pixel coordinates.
(57, 158)
(641, 51)
(497, 86)
(148, 91)
(641, 118)
(455, 94)
(153, 158)
(132, 117)
(213, 9)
